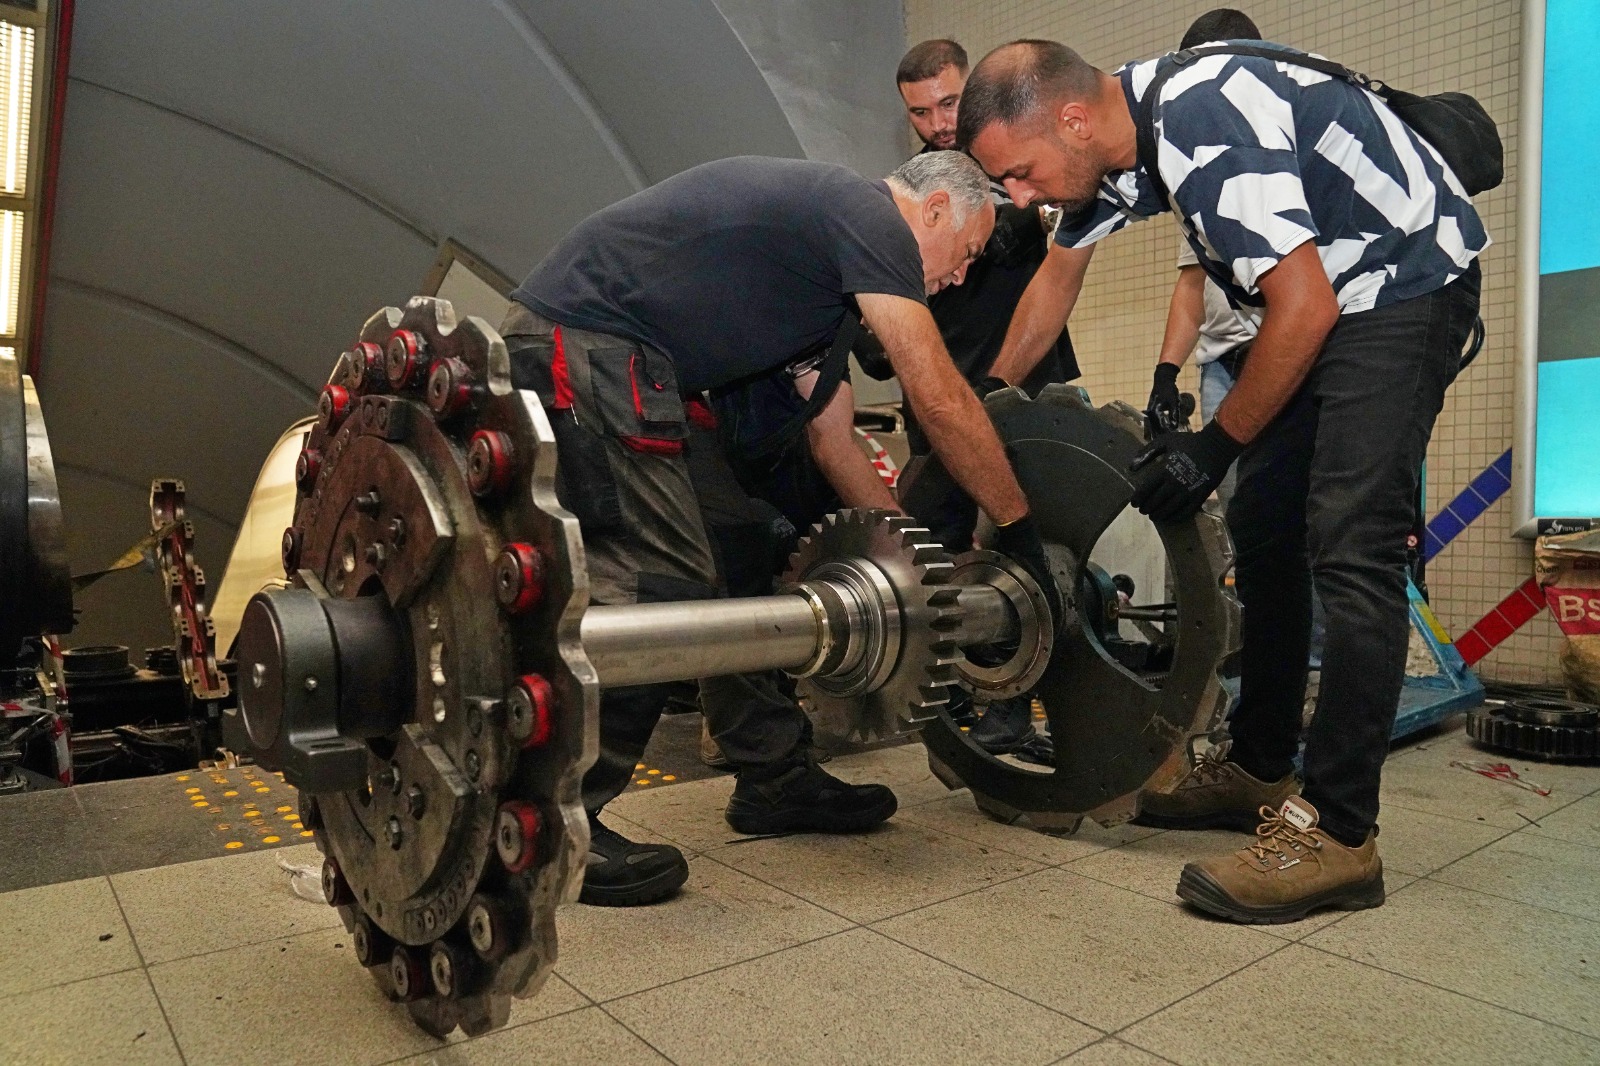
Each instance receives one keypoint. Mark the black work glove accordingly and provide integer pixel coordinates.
(1163, 413)
(1020, 542)
(1177, 471)
(984, 386)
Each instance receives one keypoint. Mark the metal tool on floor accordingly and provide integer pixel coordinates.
(439, 745)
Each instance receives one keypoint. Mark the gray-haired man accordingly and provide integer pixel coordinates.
(728, 271)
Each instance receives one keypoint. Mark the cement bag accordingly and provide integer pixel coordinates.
(1568, 569)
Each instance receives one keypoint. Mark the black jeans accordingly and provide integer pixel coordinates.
(1327, 495)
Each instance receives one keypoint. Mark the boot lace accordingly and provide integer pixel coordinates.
(1277, 838)
(1210, 767)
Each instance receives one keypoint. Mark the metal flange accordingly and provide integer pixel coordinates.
(393, 551)
(1114, 732)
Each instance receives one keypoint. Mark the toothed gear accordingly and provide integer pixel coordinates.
(920, 656)
(1555, 730)
(388, 512)
(1114, 733)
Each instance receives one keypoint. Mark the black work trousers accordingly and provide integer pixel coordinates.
(1326, 496)
(644, 486)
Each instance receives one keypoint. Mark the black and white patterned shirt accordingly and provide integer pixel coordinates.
(1261, 156)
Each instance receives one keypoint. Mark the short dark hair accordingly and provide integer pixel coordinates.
(1220, 24)
(927, 59)
(1016, 81)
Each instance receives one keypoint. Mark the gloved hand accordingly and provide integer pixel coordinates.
(1163, 412)
(1020, 542)
(1179, 470)
(984, 386)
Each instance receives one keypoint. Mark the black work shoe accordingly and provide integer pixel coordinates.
(806, 798)
(1005, 727)
(624, 874)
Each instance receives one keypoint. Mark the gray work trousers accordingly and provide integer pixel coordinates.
(622, 441)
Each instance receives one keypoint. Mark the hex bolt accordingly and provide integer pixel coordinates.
(335, 889)
(306, 469)
(489, 462)
(377, 556)
(368, 503)
(450, 390)
(530, 706)
(403, 358)
(474, 765)
(489, 927)
(408, 975)
(516, 835)
(397, 532)
(367, 360)
(393, 833)
(290, 550)
(416, 801)
(311, 684)
(332, 406)
(519, 578)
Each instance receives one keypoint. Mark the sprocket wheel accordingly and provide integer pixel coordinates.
(427, 522)
(904, 678)
(1114, 732)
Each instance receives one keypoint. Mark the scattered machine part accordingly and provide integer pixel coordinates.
(1551, 729)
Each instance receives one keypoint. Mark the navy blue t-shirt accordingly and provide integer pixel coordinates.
(732, 268)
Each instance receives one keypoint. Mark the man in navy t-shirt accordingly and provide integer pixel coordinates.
(726, 272)
(1304, 195)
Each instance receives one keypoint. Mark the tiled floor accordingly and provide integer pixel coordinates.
(943, 938)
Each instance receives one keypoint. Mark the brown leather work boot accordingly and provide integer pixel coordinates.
(1292, 869)
(1215, 794)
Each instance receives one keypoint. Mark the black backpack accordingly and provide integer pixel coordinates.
(1454, 123)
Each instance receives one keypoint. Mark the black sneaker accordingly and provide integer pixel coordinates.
(1005, 727)
(624, 874)
(805, 798)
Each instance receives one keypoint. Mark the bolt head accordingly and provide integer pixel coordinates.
(393, 832)
(519, 578)
(489, 463)
(306, 469)
(530, 709)
(290, 549)
(474, 765)
(443, 970)
(333, 405)
(403, 358)
(516, 835)
(449, 388)
(416, 801)
(407, 974)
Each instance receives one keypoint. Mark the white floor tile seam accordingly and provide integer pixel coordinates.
(1387, 802)
(636, 1034)
(602, 1003)
(56, 985)
(1506, 899)
(1120, 1032)
(166, 1019)
(851, 922)
(1452, 991)
(1112, 1038)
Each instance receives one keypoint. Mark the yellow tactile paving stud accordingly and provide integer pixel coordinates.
(234, 845)
(650, 775)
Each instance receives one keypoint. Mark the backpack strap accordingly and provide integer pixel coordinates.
(1167, 66)
(829, 375)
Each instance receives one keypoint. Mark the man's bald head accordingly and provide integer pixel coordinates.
(1021, 84)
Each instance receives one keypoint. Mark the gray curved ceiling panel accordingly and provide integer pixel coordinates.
(674, 79)
(448, 114)
(211, 230)
(135, 395)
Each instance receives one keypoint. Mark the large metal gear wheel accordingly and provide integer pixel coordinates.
(1114, 732)
(1555, 730)
(911, 655)
(422, 681)
(35, 581)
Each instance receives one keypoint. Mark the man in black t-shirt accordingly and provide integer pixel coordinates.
(972, 319)
(730, 270)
